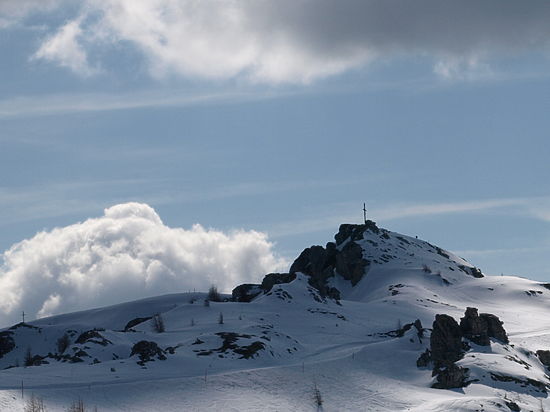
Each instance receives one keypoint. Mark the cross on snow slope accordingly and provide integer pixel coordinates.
(343, 319)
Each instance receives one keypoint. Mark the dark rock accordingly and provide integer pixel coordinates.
(147, 351)
(7, 344)
(354, 232)
(92, 336)
(544, 357)
(229, 344)
(245, 292)
(350, 263)
(446, 340)
(471, 271)
(450, 376)
(272, 279)
(316, 261)
(494, 327)
(475, 327)
(537, 385)
(135, 322)
(425, 359)
(512, 406)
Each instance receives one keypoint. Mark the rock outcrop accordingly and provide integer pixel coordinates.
(450, 376)
(449, 341)
(245, 292)
(446, 341)
(494, 327)
(544, 357)
(345, 258)
(474, 327)
(480, 328)
(147, 351)
(7, 344)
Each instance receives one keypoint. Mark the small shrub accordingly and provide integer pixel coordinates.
(220, 319)
(426, 268)
(63, 343)
(317, 397)
(28, 358)
(158, 323)
(192, 322)
(206, 302)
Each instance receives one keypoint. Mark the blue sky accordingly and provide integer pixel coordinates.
(277, 121)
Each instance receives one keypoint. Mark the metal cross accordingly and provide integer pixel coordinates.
(365, 213)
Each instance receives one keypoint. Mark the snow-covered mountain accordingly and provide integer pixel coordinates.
(353, 324)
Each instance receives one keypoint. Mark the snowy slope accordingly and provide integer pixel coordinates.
(270, 353)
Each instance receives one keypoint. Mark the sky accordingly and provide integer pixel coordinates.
(247, 130)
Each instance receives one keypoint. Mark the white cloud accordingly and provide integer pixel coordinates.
(13, 11)
(65, 49)
(126, 254)
(300, 41)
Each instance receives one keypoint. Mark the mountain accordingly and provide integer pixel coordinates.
(374, 321)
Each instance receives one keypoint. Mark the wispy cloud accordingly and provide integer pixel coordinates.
(25, 106)
(501, 252)
(82, 198)
(534, 207)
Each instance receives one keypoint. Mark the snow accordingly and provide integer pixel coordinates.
(304, 340)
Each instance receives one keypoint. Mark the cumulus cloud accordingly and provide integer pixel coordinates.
(126, 254)
(302, 40)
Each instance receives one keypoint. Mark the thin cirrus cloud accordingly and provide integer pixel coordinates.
(532, 207)
(126, 254)
(291, 41)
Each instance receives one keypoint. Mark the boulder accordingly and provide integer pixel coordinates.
(450, 376)
(494, 327)
(544, 357)
(245, 292)
(475, 327)
(446, 341)
(272, 279)
(316, 261)
(354, 232)
(147, 351)
(350, 263)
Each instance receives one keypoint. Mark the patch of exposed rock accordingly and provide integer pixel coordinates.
(147, 351)
(449, 341)
(544, 357)
(7, 344)
(92, 336)
(480, 328)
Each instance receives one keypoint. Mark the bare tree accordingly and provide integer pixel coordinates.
(158, 323)
(77, 406)
(213, 294)
(220, 319)
(35, 404)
